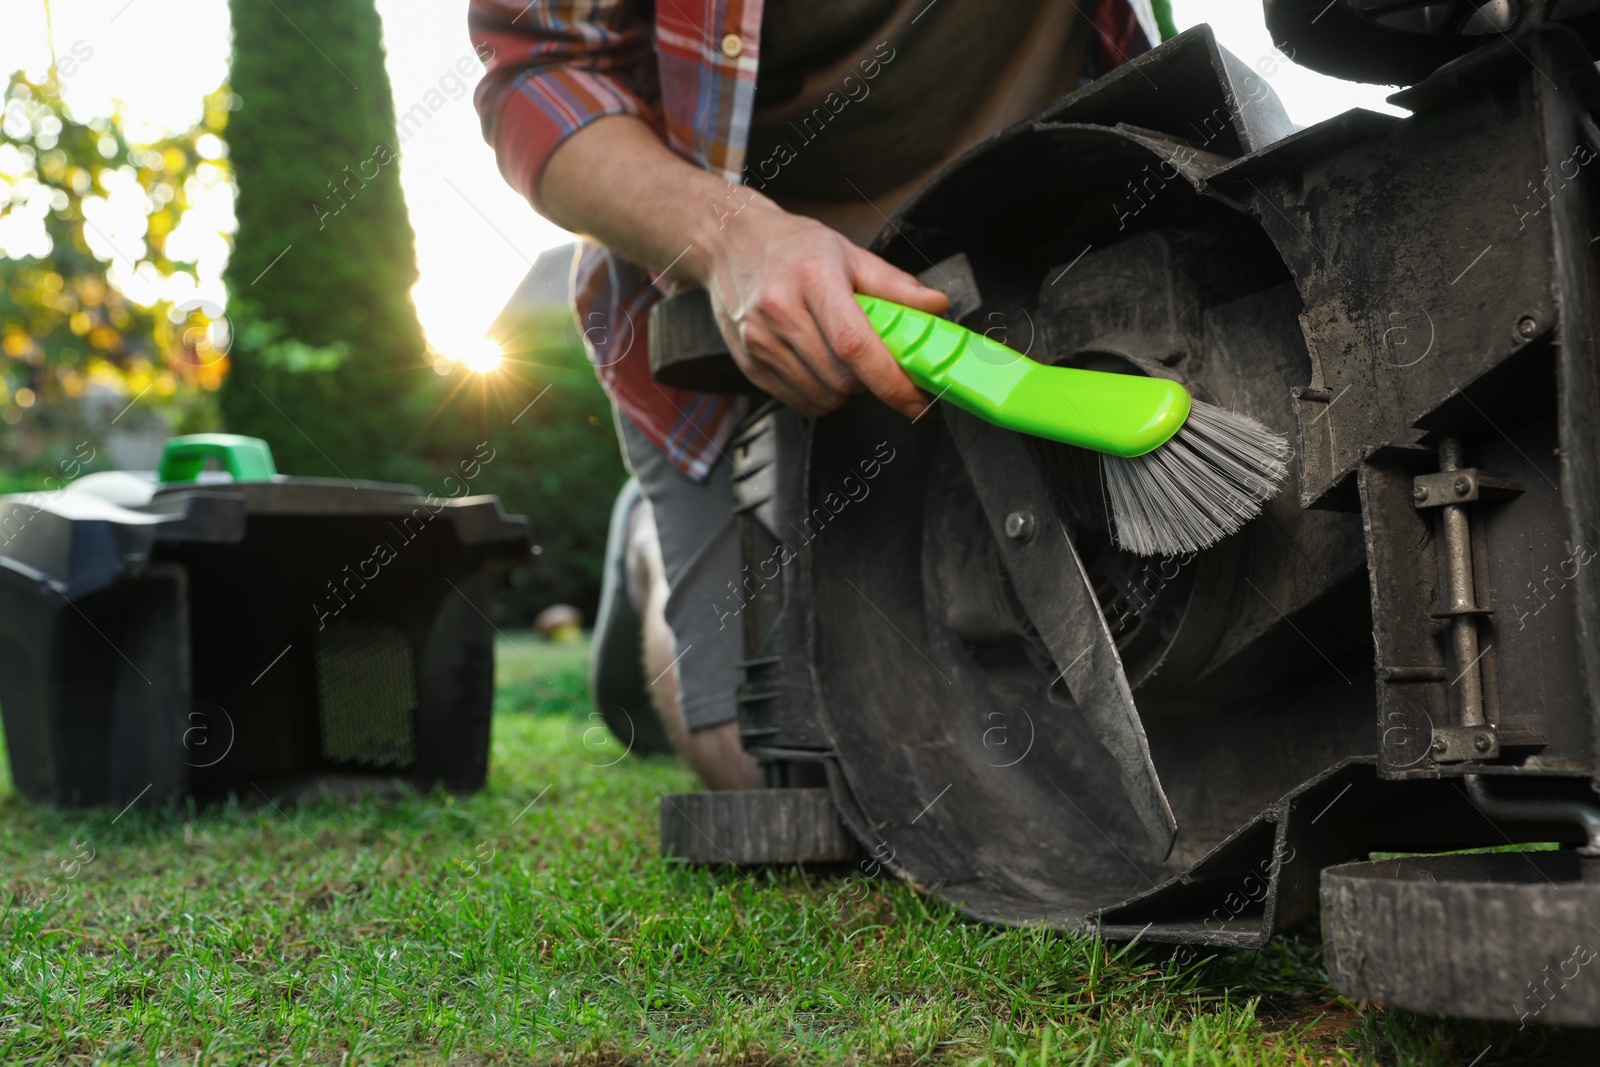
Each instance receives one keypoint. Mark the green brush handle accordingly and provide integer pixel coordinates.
(1120, 414)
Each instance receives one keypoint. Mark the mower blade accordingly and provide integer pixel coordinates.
(1055, 591)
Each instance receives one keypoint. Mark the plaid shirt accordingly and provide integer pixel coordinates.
(689, 70)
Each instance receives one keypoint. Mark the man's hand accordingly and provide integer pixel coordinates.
(782, 287)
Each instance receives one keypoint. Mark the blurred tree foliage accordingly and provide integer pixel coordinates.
(76, 348)
(556, 461)
(328, 357)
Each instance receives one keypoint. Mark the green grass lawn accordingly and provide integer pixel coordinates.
(535, 923)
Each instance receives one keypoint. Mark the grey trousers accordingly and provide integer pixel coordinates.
(700, 554)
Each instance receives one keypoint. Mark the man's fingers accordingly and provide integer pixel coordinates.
(746, 344)
(787, 355)
(772, 363)
(874, 277)
(857, 345)
(814, 352)
(781, 387)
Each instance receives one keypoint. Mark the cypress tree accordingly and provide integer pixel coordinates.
(327, 354)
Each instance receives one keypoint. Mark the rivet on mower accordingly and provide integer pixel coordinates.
(1020, 526)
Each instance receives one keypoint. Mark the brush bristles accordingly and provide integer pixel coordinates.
(1201, 486)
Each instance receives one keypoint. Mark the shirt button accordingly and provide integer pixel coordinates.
(732, 46)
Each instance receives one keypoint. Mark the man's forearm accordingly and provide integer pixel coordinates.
(615, 181)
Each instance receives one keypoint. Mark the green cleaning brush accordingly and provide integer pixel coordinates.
(1181, 474)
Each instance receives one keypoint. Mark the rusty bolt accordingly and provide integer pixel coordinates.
(1463, 486)
(1020, 526)
(1527, 326)
(1420, 493)
(1482, 742)
(1439, 746)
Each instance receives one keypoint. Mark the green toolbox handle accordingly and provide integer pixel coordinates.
(248, 459)
(1120, 414)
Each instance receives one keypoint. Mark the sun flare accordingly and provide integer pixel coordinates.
(481, 356)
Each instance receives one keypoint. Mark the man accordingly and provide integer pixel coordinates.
(752, 148)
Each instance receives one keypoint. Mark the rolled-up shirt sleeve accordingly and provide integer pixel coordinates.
(553, 67)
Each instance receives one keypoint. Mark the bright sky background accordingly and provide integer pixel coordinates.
(476, 239)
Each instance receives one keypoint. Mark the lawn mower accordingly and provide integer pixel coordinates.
(1369, 702)
(197, 634)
